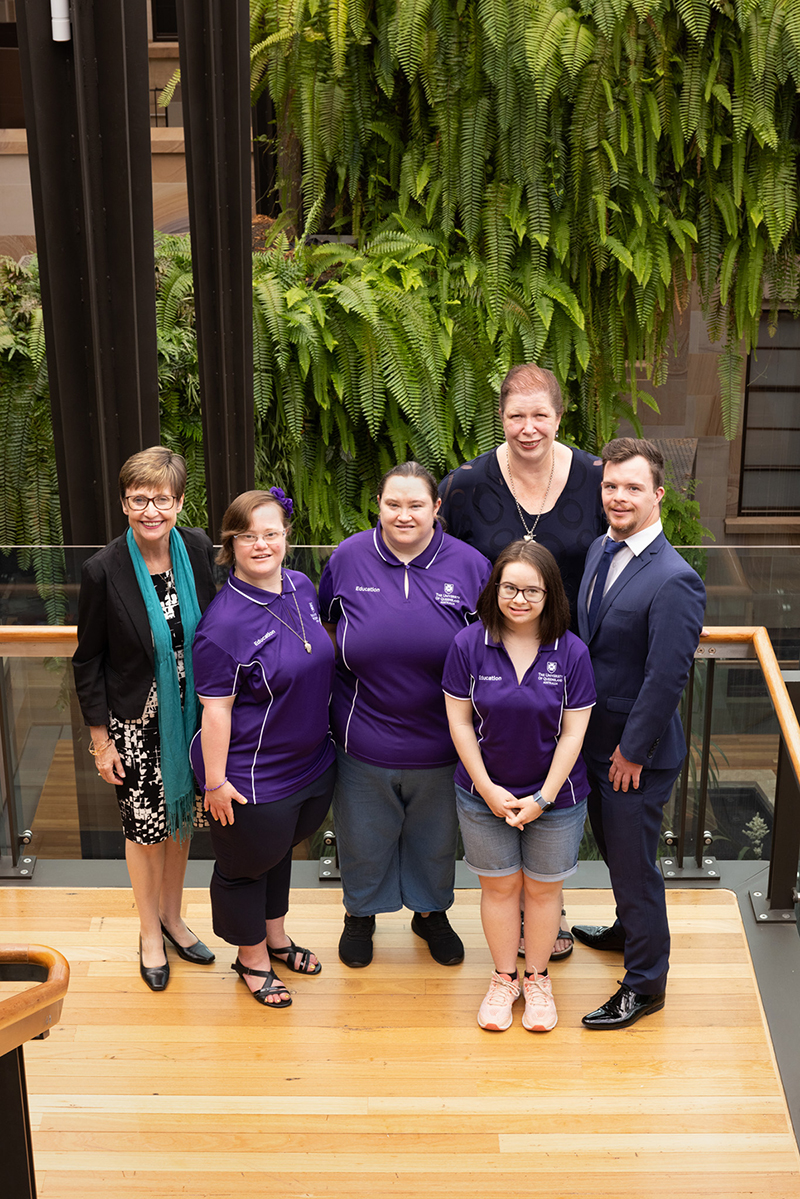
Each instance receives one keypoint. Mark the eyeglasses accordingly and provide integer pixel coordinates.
(252, 538)
(508, 591)
(138, 503)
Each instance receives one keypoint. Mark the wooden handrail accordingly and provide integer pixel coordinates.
(38, 640)
(784, 710)
(46, 633)
(50, 639)
(36, 1010)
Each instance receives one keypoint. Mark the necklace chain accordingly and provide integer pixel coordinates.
(529, 533)
(302, 634)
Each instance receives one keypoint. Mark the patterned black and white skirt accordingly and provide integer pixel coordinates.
(142, 806)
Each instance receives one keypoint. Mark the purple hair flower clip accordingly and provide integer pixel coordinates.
(283, 499)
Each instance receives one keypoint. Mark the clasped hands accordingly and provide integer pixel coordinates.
(515, 811)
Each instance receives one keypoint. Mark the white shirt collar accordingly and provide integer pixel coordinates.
(638, 542)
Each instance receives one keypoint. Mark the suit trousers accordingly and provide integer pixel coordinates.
(253, 870)
(627, 827)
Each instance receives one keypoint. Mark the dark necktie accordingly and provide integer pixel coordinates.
(609, 550)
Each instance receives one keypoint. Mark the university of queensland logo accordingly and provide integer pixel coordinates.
(552, 667)
(449, 588)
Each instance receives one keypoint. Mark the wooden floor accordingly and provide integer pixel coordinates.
(380, 1083)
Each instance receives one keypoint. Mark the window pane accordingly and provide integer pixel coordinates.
(773, 409)
(768, 491)
(775, 368)
(768, 449)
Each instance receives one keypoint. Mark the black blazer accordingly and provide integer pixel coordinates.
(114, 664)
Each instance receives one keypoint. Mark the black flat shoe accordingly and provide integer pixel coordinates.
(198, 953)
(624, 1008)
(273, 985)
(156, 977)
(599, 937)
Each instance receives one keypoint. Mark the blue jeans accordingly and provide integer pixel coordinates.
(396, 833)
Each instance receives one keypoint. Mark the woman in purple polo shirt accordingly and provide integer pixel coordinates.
(263, 668)
(519, 689)
(394, 598)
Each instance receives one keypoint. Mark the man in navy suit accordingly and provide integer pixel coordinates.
(640, 611)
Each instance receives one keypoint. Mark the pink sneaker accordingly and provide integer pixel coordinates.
(540, 1010)
(495, 1011)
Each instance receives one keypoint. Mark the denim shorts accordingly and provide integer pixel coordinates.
(545, 850)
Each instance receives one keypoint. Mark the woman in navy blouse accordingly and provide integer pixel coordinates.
(519, 689)
(263, 668)
(534, 487)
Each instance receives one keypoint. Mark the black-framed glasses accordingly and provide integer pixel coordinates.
(508, 591)
(138, 503)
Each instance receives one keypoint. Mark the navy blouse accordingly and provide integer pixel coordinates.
(479, 508)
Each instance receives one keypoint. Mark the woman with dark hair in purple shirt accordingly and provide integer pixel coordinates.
(263, 669)
(519, 690)
(394, 598)
(534, 487)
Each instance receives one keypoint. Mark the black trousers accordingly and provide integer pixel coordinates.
(253, 870)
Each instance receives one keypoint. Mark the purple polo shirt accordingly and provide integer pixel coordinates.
(280, 738)
(518, 724)
(394, 626)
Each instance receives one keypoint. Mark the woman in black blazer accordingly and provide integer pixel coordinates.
(140, 600)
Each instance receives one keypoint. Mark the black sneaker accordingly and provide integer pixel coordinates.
(355, 943)
(445, 945)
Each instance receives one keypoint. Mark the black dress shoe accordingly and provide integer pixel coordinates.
(624, 1008)
(198, 953)
(598, 937)
(156, 977)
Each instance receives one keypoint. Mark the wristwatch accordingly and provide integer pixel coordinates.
(543, 803)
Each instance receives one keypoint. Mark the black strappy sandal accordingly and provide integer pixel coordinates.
(272, 987)
(286, 951)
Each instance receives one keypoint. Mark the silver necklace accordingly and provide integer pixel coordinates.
(306, 644)
(529, 533)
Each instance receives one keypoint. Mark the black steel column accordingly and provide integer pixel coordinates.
(783, 858)
(215, 82)
(88, 122)
(19, 1179)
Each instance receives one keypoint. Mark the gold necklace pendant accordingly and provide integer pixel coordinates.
(529, 533)
(301, 636)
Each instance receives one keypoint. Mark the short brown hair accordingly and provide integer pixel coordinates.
(622, 449)
(530, 377)
(554, 620)
(237, 520)
(154, 468)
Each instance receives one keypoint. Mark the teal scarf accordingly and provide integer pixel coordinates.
(175, 727)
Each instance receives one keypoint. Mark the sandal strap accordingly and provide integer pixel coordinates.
(272, 988)
(240, 969)
(285, 951)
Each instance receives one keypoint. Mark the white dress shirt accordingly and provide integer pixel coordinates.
(635, 545)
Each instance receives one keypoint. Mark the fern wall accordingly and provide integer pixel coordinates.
(578, 164)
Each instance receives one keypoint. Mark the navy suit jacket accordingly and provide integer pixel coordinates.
(646, 633)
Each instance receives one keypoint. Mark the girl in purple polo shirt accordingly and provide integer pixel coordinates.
(519, 689)
(263, 668)
(394, 598)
